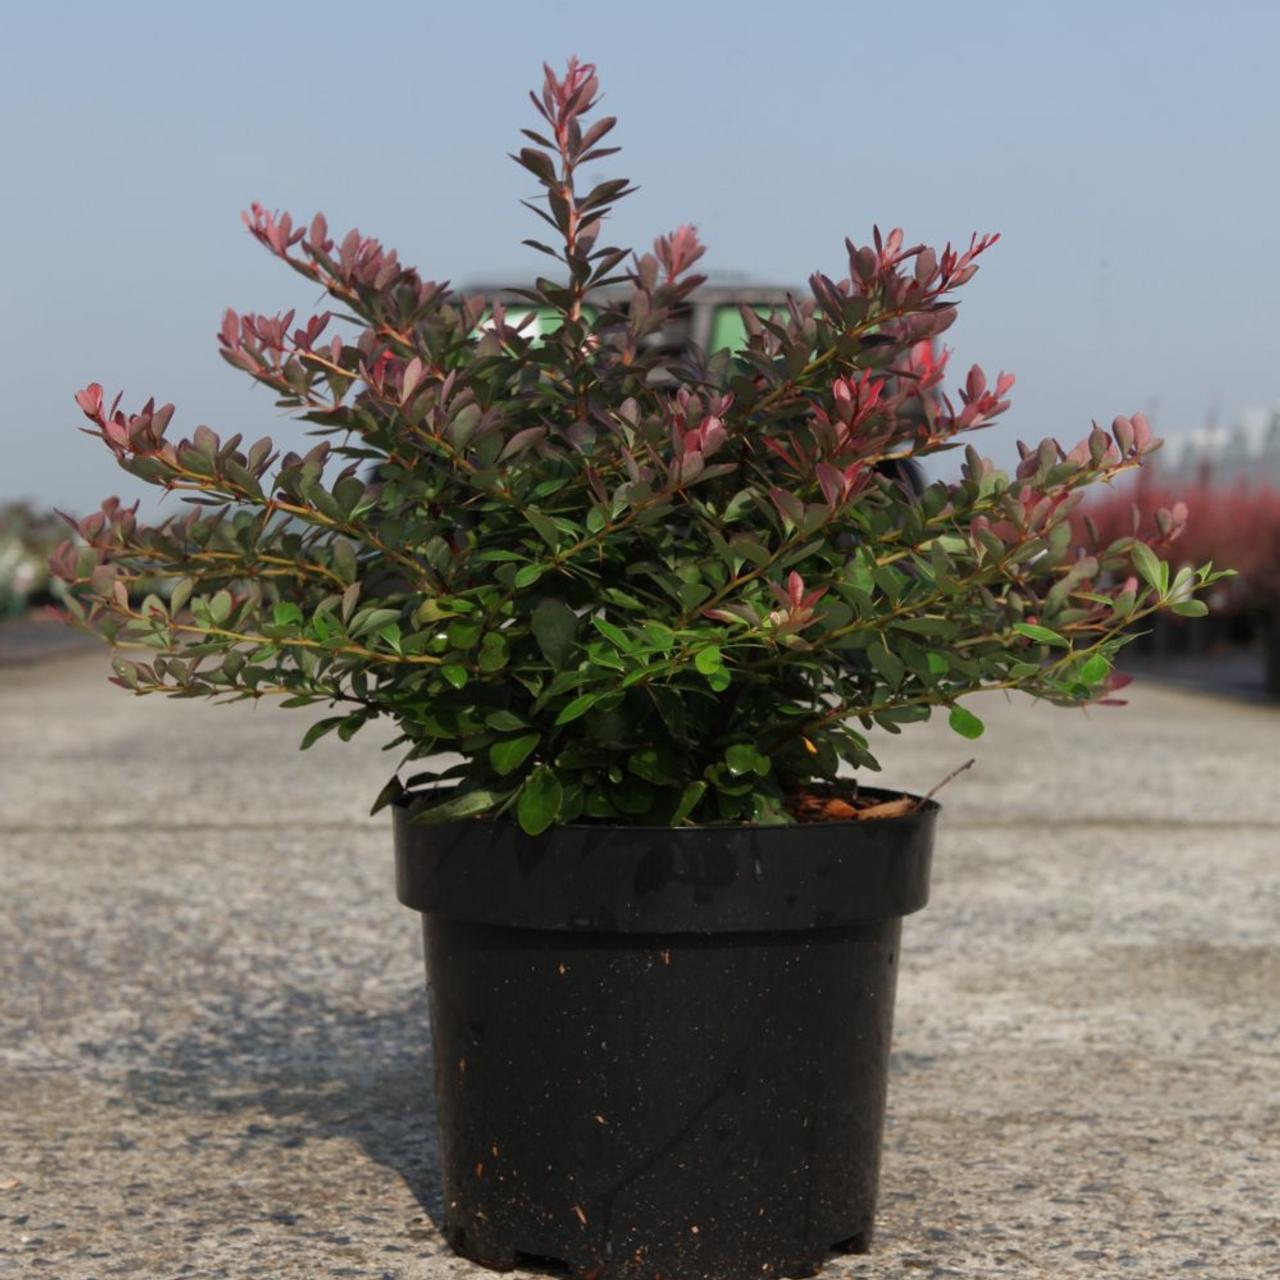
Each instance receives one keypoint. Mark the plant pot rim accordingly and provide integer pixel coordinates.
(606, 879)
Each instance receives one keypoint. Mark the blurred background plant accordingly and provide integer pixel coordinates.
(1234, 526)
(27, 537)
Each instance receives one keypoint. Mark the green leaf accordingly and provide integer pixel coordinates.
(1095, 669)
(347, 493)
(578, 707)
(738, 504)
(493, 652)
(1147, 564)
(767, 811)
(555, 627)
(889, 580)
(888, 664)
(508, 755)
(965, 723)
(692, 594)
(661, 637)
(498, 554)
(539, 801)
(351, 725)
(220, 607)
(319, 729)
(455, 675)
(749, 548)
(463, 634)
(243, 478)
(544, 526)
(154, 609)
(601, 655)
(527, 576)
(466, 805)
(128, 672)
(615, 636)
(689, 799)
(623, 599)
(344, 560)
(372, 620)
(323, 501)
(708, 661)
(391, 634)
(724, 779)
(1190, 608)
(504, 721)
(652, 766)
(392, 791)
(926, 626)
(744, 758)
(1042, 635)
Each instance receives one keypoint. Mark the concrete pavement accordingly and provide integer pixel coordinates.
(37, 638)
(214, 1054)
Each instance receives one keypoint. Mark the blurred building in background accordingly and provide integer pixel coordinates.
(1247, 454)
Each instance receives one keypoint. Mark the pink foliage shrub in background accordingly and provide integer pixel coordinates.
(1235, 528)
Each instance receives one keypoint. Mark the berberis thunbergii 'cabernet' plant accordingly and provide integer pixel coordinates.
(623, 586)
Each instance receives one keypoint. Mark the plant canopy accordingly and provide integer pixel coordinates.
(623, 585)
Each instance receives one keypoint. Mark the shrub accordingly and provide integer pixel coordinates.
(622, 585)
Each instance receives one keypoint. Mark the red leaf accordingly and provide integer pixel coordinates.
(90, 400)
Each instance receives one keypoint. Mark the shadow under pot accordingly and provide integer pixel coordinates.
(662, 1052)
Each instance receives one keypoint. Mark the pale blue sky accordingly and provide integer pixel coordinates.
(1126, 151)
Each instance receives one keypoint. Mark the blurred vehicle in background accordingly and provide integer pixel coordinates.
(710, 319)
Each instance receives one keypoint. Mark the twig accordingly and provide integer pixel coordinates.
(955, 773)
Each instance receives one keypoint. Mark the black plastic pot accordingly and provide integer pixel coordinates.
(662, 1052)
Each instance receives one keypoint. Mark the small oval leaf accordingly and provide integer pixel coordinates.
(965, 723)
(509, 754)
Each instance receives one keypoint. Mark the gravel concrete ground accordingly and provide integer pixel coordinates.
(214, 1055)
(37, 638)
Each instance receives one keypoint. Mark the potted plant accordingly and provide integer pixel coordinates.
(630, 613)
